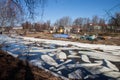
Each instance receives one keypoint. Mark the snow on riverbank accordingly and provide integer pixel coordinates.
(91, 46)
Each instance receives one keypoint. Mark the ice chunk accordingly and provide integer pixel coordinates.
(85, 58)
(113, 74)
(49, 60)
(62, 67)
(69, 60)
(83, 65)
(118, 78)
(51, 54)
(53, 68)
(59, 72)
(37, 62)
(100, 55)
(14, 55)
(75, 75)
(72, 52)
(73, 56)
(110, 65)
(61, 55)
(97, 69)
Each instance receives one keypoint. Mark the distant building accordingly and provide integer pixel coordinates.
(76, 29)
(67, 30)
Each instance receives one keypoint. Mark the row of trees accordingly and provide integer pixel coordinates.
(112, 25)
(86, 24)
(36, 26)
(67, 21)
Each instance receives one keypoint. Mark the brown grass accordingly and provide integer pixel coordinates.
(14, 69)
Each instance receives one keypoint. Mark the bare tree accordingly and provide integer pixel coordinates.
(29, 5)
(95, 20)
(78, 21)
(11, 11)
(64, 21)
(102, 24)
(114, 22)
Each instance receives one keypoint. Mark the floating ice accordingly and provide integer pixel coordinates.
(62, 67)
(69, 60)
(85, 58)
(110, 65)
(61, 55)
(101, 56)
(76, 74)
(73, 56)
(113, 74)
(72, 52)
(49, 60)
(98, 69)
(83, 65)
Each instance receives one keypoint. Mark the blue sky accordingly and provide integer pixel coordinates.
(56, 9)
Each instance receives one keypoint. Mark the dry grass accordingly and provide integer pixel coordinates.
(14, 69)
(108, 41)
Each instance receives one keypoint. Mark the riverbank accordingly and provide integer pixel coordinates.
(14, 69)
(109, 40)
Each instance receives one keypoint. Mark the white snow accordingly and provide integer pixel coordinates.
(86, 45)
(52, 50)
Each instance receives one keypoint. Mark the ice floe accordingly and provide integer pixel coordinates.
(101, 56)
(83, 65)
(61, 55)
(110, 65)
(73, 56)
(76, 74)
(49, 60)
(113, 74)
(98, 69)
(72, 52)
(85, 58)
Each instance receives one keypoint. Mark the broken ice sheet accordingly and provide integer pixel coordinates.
(80, 74)
(49, 60)
(113, 74)
(97, 69)
(61, 55)
(85, 58)
(110, 65)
